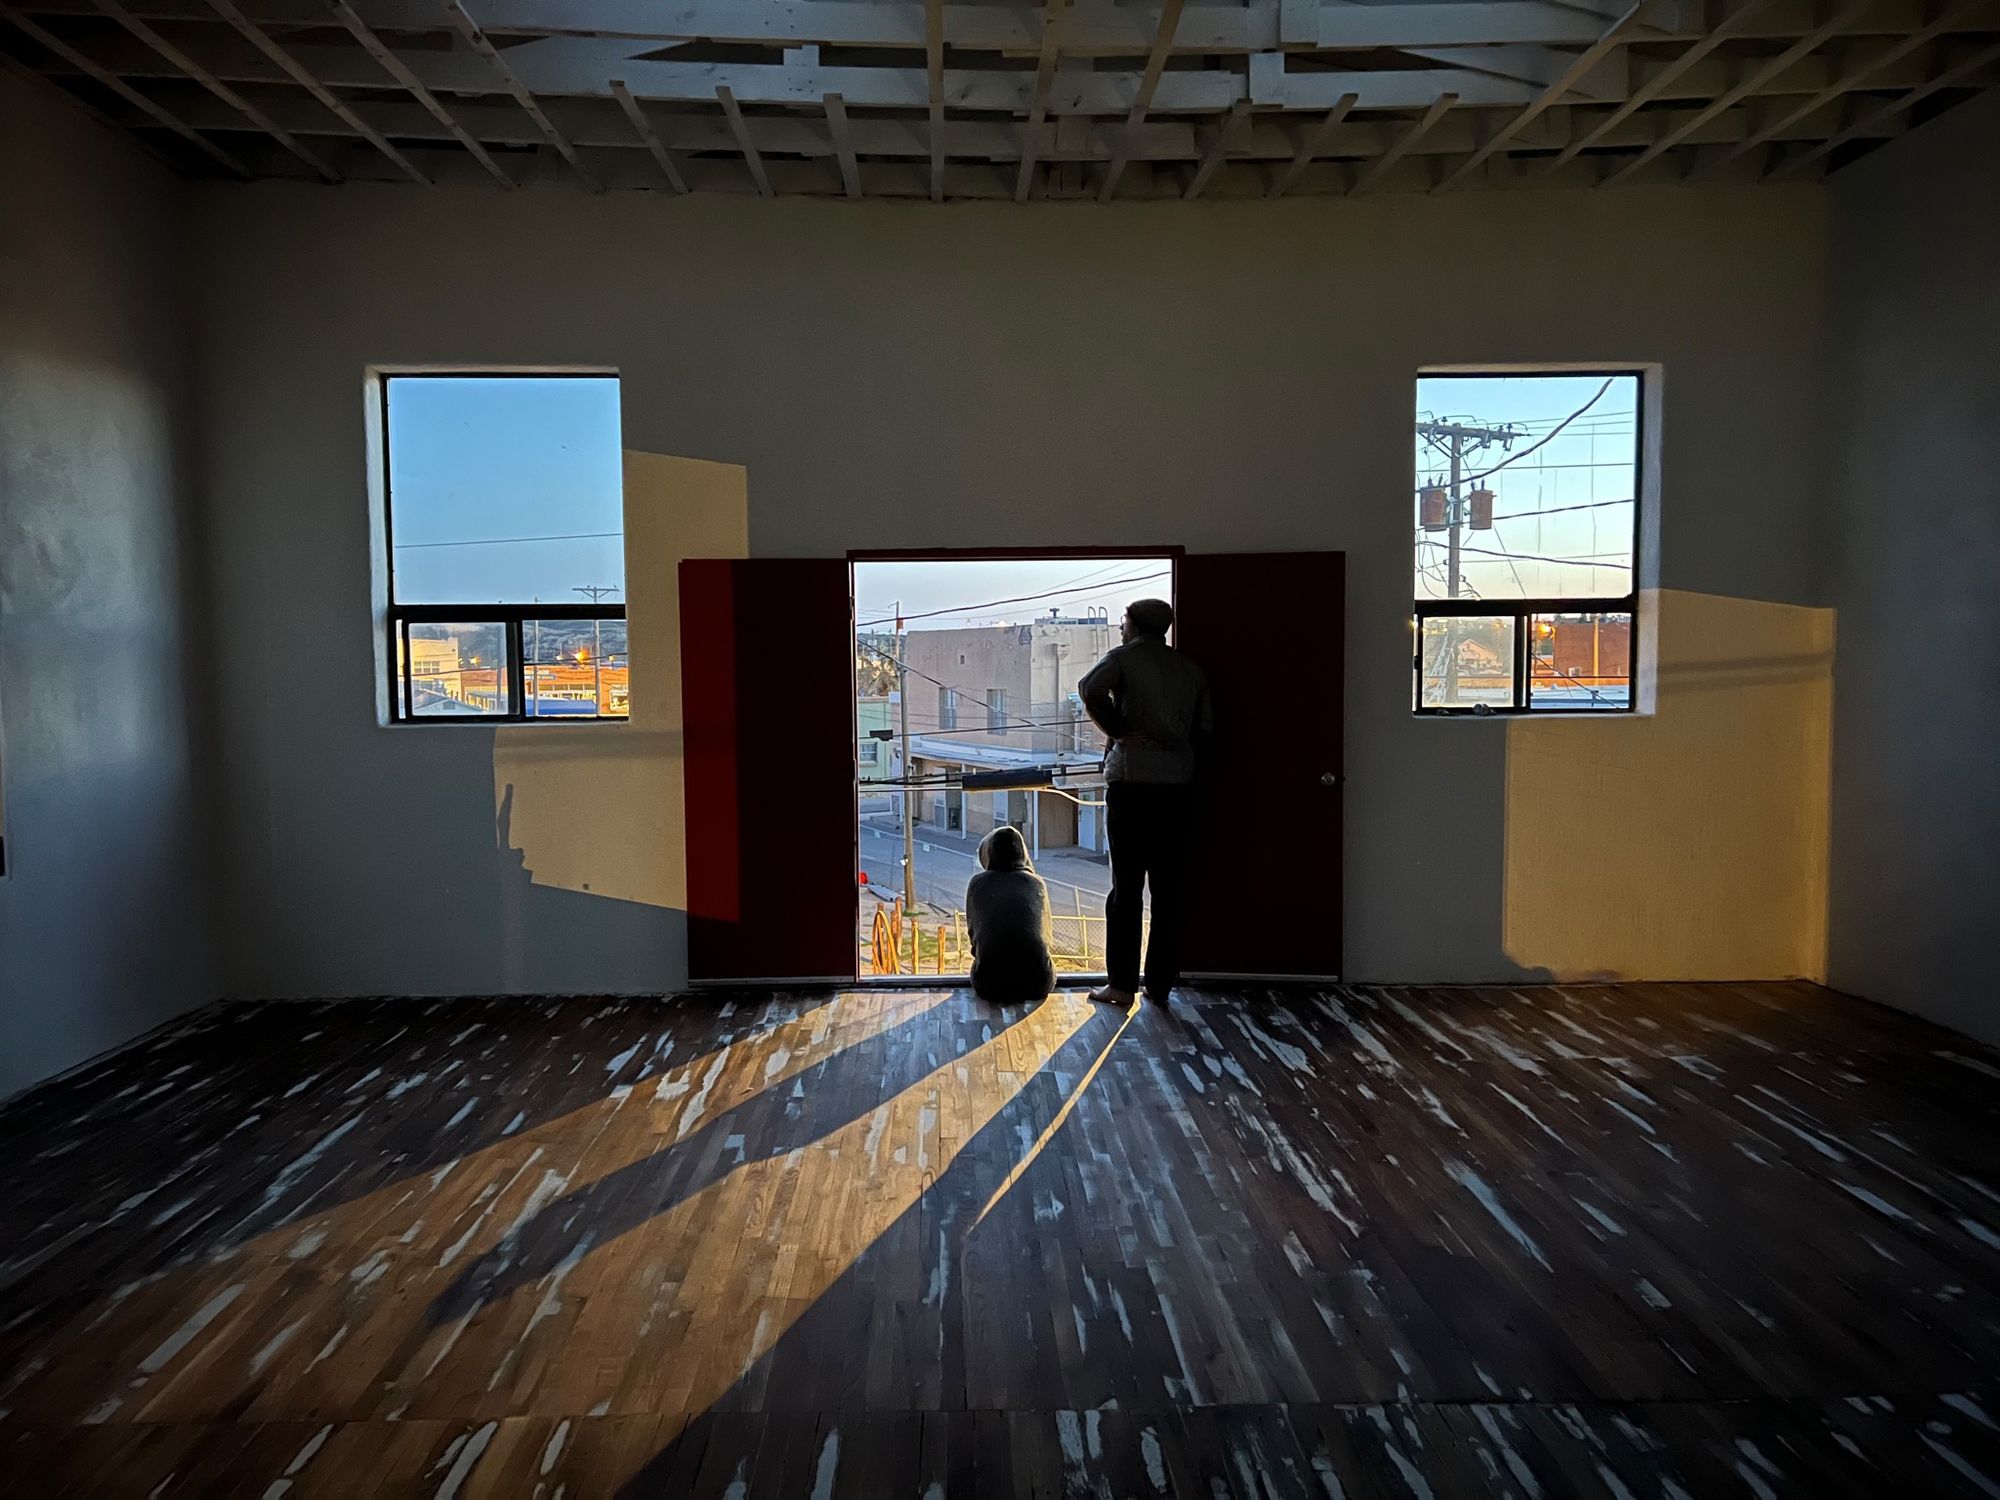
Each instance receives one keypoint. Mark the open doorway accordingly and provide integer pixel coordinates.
(966, 719)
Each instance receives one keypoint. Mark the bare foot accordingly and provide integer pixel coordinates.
(1112, 995)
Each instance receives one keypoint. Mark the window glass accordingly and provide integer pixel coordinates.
(454, 670)
(505, 489)
(1526, 486)
(1581, 661)
(1468, 661)
(1525, 555)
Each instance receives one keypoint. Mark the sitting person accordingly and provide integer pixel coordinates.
(1007, 913)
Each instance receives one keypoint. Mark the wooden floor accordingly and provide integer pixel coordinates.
(1629, 1241)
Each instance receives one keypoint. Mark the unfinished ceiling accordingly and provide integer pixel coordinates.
(918, 98)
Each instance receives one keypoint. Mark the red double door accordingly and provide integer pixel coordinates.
(767, 672)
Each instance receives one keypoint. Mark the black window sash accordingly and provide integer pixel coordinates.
(511, 617)
(1522, 612)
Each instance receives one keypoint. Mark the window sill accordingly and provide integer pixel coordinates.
(496, 721)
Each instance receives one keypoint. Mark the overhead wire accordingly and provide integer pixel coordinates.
(966, 609)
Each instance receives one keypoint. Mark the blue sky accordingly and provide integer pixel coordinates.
(477, 465)
(1560, 501)
(510, 490)
(1109, 583)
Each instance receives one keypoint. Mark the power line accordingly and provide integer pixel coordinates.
(1573, 562)
(1547, 437)
(888, 657)
(966, 609)
(1557, 510)
(495, 541)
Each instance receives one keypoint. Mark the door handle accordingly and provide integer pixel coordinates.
(1329, 778)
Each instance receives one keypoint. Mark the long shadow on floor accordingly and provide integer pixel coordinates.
(837, 1349)
(792, 1113)
(311, 1105)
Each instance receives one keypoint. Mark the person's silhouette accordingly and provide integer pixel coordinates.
(1007, 912)
(1152, 704)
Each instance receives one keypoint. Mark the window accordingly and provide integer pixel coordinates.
(1526, 558)
(996, 710)
(871, 752)
(947, 708)
(506, 530)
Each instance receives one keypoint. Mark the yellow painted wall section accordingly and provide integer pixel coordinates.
(597, 807)
(1689, 843)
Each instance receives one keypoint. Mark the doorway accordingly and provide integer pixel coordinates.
(967, 718)
(774, 732)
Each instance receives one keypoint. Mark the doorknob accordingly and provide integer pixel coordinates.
(1329, 778)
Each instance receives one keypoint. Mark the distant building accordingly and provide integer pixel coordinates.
(1003, 697)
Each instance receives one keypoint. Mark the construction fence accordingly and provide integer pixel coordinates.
(934, 941)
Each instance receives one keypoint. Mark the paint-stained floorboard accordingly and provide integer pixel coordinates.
(1644, 1240)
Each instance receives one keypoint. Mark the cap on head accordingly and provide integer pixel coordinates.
(1150, 617)
(1003, 849)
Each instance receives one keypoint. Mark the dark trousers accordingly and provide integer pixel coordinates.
(1152, 830)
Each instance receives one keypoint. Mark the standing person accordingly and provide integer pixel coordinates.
(1007, 913)
(1152, 704)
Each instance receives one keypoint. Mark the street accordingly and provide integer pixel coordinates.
(944, 864)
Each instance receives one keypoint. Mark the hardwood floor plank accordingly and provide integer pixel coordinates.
(1500, 1240)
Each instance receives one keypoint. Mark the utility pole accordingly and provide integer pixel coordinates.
(597, 592)
(1460, 440)
(909, 791)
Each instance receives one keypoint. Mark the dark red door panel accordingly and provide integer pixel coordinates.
(767, 707)
(1268, 629)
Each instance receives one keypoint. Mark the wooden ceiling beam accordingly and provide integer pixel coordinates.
(751, 158)
(1660, 81)
(934, 84)
(1589, 58)
(1156, 61)
(387, 60)
(1856, 76)
(643, 128)
(523, 96)
(1380, 166)
(1772, 68)
(1054, 14)
(123, 90)
(1218, 147)
(255, 35)
(1870, 121)
(215, 86)
(843, 145)
(1313, 144)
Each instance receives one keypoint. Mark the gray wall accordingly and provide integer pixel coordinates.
(1916, 501)
(1228, 376)
(104, 912)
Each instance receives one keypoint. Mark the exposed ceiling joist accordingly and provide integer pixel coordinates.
(843, 145)
(1114, 96)
(1870, 121)
(1156, 60)
(478, 41)
(1101, 28)
(1832, 26)
(643, 128)
(1217, 146)
(377, 49)
(1054, 15)
(1856, 74)
(934, 86)
(1380, 166)
(1314, 143)
(214, 85)
(1660, 81)
(1583, 63)
(752, 157)
(255, 35)
(123, 90)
